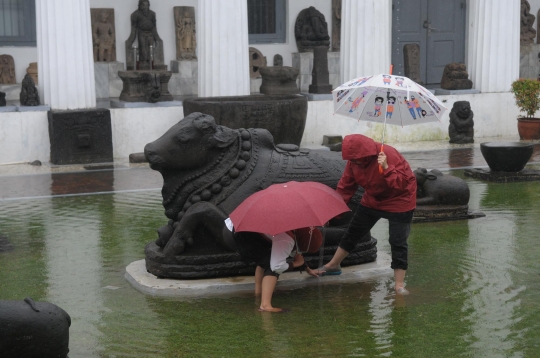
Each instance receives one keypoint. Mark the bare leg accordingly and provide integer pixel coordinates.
(268, 286)
(259, 272)
(399, 277)
(338, 257)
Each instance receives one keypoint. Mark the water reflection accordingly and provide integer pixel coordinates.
(461, 157)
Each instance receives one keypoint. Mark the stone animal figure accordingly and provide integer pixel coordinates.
(208, 170)
(455, 77)
(435, 188)
(461, 128)
(33, 329)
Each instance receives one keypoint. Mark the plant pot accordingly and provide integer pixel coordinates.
(506, 156)
(529, 128)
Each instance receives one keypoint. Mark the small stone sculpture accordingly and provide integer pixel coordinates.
(278, 60)
(186, 39)
(311, 30)
(29, 93)
(455, 77)
(32, 70)
(103, 35)
(461, 128)
(527, 32)
(411, 59)
(336, 25)
(320, 82)
(7, 70)
(435, 188)
(149, 44)
(256, 61)
(33, 329)
(279, 80)
(2, 99)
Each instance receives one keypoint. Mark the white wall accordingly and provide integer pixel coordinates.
(24, 135)
(22, 56)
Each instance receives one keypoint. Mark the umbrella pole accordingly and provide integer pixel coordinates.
(321, 249)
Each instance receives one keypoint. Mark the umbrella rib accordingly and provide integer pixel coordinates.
(343, 103)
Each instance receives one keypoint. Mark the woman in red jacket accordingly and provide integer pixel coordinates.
(390, 195)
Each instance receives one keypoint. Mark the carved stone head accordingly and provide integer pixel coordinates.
(462, 109)
(144, 5)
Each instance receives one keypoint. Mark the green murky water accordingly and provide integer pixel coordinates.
(475, 287)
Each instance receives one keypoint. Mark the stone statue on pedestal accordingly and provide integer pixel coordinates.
(311, 30)
(29, 93)
(103, 35)
(149, 44)
(186, 40)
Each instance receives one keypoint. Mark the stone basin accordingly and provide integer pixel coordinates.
(506, 156)
(283, 115)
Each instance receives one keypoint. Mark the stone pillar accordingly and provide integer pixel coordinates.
(223, 48)
(493, 44)
(65, 57)
(366, 38)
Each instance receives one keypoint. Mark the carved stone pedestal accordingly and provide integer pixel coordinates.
(428, 213)
(81, 136)
(145, 86)
(184, 77)
(108, 84)
(279, 80)
(304, 62)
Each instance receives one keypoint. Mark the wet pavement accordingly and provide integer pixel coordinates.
(27, 181)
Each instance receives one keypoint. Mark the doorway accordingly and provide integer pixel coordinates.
(437, 26)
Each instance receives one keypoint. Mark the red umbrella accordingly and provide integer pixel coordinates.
(288, 206)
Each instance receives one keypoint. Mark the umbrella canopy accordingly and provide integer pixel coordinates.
(387, 98)
(288, 206)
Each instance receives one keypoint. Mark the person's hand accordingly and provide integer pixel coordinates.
(314, 273)
(382, 160)
(298, 260)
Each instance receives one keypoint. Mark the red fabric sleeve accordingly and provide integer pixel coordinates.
(347, 185)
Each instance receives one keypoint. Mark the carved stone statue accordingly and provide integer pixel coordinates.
(527, 32)
(311, 30)
(411, 59)
(186, 39)
(461, 128)
(29, 93)
(336, 25)
(7, 70)
(455, 77)
(149, 44)
(32, 70)
(103, 35)
(208, 170)
(435, 188)
(279, 80)
(2, 99)
(256, 61)
(278, 60)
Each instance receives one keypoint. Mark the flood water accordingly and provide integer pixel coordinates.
(475, 286)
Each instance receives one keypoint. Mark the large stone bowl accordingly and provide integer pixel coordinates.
(506, 156)
(283, 115)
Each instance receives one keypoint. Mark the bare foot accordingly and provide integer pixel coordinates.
(270, 309)
(402, 291)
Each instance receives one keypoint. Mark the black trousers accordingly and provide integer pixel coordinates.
(253, 248)
(363, 221)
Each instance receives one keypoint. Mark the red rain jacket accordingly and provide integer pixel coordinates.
(393, 191)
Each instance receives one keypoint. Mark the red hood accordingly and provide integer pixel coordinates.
(357, 146)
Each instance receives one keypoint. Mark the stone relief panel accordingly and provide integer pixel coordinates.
(7, 70)
(103, 35)
(527, 32)
(186, 39)
(411, 59)
(336, 25)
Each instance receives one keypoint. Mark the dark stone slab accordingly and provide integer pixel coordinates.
(81, 136)
(506, 156)
(411, 62)
(503, 177)
(429, 213)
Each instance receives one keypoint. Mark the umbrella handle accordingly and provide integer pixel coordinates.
(380, 166)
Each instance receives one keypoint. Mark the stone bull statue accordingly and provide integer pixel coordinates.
(33, 329)
(208, 170)
(435, 188)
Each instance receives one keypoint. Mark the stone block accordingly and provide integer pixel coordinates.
(80, 136)
(255, 85)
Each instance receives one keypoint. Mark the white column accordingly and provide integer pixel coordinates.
(65, 60)
(493, 46)
(223, 48)
(366, 38)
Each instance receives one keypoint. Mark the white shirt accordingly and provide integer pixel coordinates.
(282, 247)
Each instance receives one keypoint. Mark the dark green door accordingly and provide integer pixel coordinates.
(437, 26)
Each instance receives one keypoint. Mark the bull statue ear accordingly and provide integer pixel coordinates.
(223, 137)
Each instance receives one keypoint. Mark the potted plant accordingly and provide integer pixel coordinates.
(527, 94)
